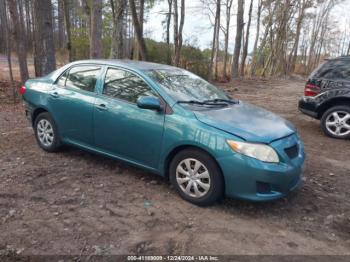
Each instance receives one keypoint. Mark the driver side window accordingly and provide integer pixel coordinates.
(124, 85)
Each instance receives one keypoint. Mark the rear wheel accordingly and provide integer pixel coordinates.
(196, 177)
(335, 122)
(46, 132)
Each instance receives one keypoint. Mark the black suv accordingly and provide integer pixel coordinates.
(327, 96)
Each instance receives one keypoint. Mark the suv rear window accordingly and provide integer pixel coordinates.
(333, 69)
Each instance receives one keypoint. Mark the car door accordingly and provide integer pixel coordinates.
(72, 102)
(120, 126)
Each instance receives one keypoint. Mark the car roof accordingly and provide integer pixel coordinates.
(132, 64)
(345, 57)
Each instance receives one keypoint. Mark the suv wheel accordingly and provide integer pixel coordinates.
(335, 122)
(46, 132)
(196, 177)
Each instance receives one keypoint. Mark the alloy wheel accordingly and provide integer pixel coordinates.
(338, 123)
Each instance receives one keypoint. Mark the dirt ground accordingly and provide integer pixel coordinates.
(74, 202)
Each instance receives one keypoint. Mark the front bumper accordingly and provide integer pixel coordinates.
(251, 179)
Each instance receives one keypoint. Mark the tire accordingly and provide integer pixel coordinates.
(45, 130)
(195, 158)
(330, 123)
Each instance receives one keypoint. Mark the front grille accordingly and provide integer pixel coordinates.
(292, 152)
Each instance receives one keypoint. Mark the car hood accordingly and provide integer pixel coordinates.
(249, 122)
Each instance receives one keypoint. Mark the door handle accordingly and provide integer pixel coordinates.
(102, 107)
(54, 94)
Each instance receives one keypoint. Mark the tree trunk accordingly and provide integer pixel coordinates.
(245, 47)
(138, 31)
(118, 28)
(253, 65)
(214, 49)
(28, 25)
(3, 27)
(60, 22)
(227, 33)
(66, 7)
(168, 21)
(136, 53)
(7, 37)
(294, 53)
(178, 30)
(44, 48)
(20, 41)
(217, 43)
(238, 39)
(96, 29)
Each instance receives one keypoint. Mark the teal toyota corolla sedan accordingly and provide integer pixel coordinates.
(170, 122)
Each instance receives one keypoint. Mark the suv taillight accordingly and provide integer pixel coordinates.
(311, 90)
(22, 90)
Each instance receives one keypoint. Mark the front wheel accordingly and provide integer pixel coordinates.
(335, 122)
(46, 133)
(196, 177)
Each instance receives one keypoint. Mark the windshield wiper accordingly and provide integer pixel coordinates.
(212, 102)
(207, 103)
(190, 102)
(221, 100)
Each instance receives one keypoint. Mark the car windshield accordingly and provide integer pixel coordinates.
(182, 85)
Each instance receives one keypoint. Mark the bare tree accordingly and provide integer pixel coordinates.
(20, 41)
(66, 7)
(228, 6)
(118, 11)
(245, 46)
(168, 20)
(238, 39)
(7, 37)
(178, 29)
(44, 47)
(3, 29)
(302, 5)
(319, 24)
(138, 31)
(96, 29)
(253, 65)
(60, 23)
(29, 23)
(215, 43)
(141, 20)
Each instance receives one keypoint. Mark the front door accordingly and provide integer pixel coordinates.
(72, 102)
(120, 126)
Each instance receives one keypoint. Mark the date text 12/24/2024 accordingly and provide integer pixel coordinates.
(172, 258)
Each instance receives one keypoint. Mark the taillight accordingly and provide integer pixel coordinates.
(311, 90)
(22, 90)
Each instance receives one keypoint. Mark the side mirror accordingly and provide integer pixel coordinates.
(149, 102)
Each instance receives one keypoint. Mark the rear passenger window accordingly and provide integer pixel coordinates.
(335, 69)
(82, 77)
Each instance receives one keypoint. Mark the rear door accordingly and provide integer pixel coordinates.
(72, 101)
(120, 126)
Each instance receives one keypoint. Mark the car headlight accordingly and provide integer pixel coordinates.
(261, 152)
